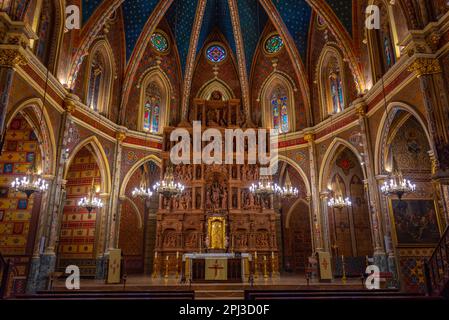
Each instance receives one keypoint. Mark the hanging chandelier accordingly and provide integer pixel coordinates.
(397, 185)
(288, 191)
(142, 191)
(265, 187)
(338, 201)
(31, 183)
(167, 187)
(91, 202)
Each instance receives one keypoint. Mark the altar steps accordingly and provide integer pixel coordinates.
(219, 294)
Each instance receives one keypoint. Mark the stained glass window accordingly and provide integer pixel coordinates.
(216, 53)
(159, 42)
(152, 108)
(336, 88)
(274, 44)
(95, 81)
(279, 107)
(385, 42)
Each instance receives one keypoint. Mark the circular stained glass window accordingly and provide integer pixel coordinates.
(216, 53)
(274, 44)
(159, 42)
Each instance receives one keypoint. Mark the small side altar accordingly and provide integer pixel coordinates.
(216, 267)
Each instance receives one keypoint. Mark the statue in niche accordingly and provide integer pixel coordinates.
(170, 240)
(191, 240)
(216, 196)
(262, 240)
(241, 240)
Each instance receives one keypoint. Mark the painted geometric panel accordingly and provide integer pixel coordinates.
(77, 238)
(19, 151)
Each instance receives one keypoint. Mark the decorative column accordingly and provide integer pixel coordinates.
(102, 221)
(372, 192)
(433, 89)
(315, 207)
(113, 215)
(56, 196)
(14, 40)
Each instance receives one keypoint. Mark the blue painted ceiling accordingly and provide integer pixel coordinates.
(296, 15)
(343, 10)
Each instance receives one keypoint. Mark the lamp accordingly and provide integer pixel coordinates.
(168, 187)
(91, 202)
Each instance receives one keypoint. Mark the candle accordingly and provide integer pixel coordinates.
(264, 258)
(166, 258)
(255, 254)
(155, 254)
(272, 254)
(177, 254)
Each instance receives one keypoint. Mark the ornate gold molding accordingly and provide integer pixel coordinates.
(361, 110)
(120, 136)
(309, 137)
(425, 66)
(11, 58)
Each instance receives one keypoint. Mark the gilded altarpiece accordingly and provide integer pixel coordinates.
(216, 213)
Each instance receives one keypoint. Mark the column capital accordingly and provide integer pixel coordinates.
(425, 66)
(120, 136)
(11, 56)
(360, 109)
(309, 137)
(70, 103)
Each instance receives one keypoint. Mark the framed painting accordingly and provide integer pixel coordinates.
(415, 222)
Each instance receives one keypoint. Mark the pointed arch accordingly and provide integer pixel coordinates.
(100, 157)
(135, 210)
(299, 170)
(330, 154)
(32, 110)
(46, 19)
(136, 166)
(155, 99)
(209, 87)
(292, 209)
(278, 101)
(383, 131)
(331, 82)
(99, 77)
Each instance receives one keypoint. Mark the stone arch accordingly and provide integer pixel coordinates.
(331, 152)
(300, 171)
(209, 87)
(383, 132)
(278, 80)
(349, 228)
(39, 120)
(136, 166)
(100, 156)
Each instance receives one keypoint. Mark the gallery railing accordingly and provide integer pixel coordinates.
(437, 268)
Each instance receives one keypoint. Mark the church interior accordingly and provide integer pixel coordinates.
(93, 96)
